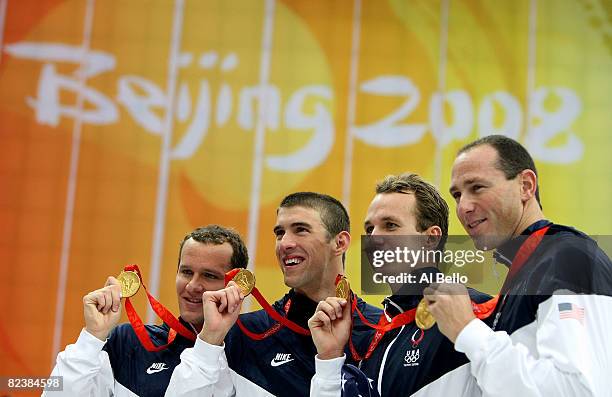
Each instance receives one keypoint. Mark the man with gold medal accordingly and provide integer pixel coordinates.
(108, 359)
(412, 353)
(551, 327)
(255, 354)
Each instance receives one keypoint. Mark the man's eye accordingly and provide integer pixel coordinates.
(186, 272)
(279, 234)
(391, 225)
(301, 230)
(211, 276)
(369, 229)
(456, 196)
(477, 187)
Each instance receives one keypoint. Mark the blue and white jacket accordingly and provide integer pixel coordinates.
(119, 367)
(280, 365)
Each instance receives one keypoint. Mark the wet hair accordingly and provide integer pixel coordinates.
(430, 210)
(217, 235)
(334, 216)
(512, 157)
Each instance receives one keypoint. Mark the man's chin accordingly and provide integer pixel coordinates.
(193, 318)
(485, 243)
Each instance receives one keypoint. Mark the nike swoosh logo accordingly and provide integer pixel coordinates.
(275, 363)
(155, 370)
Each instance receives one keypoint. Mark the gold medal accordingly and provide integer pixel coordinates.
(245, 280)
(423, 318)
(130, 283)
(343, 289)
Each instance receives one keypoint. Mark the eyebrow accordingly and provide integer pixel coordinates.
(384, 219)
(302, 224)
(467, 182)
(293, 225)
(205, 270)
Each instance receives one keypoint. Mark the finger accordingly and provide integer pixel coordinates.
(97, 297)
(336, 306)
(235, 287)
(108, 299)
(223, 301)
(328, 309)
(314, 321)
(111, 281)
(93, 298)
(115, 297)
(232, 298)
(346, 309)
(324, 319)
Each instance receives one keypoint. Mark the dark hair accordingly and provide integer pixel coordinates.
(431, 209)
(512, 157)
(332, 212)
(217, 235)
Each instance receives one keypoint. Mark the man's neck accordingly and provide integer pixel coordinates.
(531, 215)
(322, 293)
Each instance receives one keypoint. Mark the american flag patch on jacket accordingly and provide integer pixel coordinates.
(569, 310)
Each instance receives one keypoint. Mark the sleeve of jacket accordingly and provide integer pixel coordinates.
(570, 357)
(85, 368)
(326, 381)
(203, 371)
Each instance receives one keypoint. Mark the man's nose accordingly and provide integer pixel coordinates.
(465, 205)
(195, 285)
(287, 242)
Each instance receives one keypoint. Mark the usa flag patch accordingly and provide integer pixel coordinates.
(570, 310)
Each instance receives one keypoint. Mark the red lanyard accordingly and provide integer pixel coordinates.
(524, 252)
(382, 328)
(281, 321)
(481, 310)
(163, 313)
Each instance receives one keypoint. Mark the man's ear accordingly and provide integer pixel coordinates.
(529, 184)
(342, 241)
(434, 235)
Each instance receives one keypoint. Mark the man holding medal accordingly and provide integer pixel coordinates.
(551, 327)
(409, 355)
(270, 351)
(111, 360)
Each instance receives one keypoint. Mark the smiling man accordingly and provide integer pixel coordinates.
(312, 236)
(109, 360)
(410, 212)
(551, 325)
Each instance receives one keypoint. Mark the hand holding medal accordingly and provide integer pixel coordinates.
(449, 305)
(129, 282)
(102, 309)
(222, 307)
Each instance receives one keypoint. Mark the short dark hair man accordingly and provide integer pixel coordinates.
(409, 211)
(109, 360)
(312, 235)
(550, 333)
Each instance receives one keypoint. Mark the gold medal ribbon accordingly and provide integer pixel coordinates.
(163, 313)
(283, 321)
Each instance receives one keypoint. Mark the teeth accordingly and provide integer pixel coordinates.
(194, 300)
(292, 261)
(474, 224)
